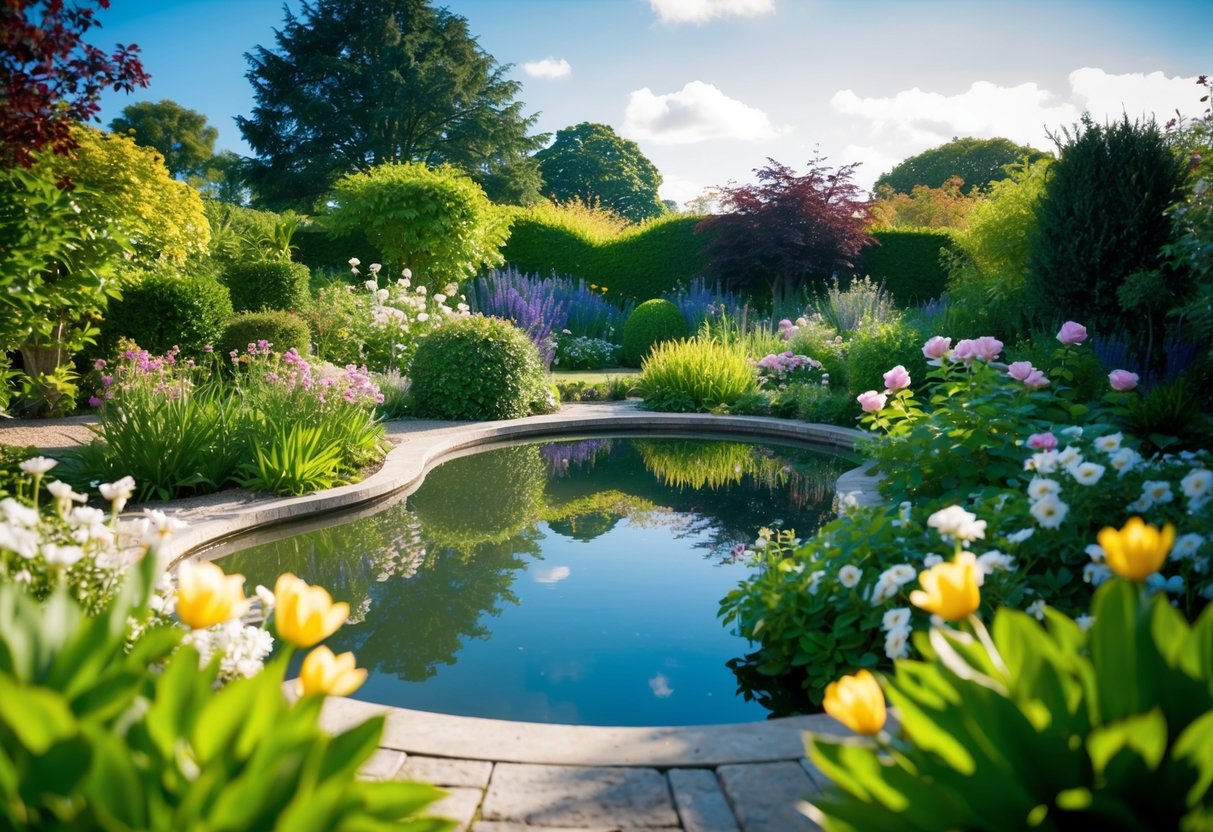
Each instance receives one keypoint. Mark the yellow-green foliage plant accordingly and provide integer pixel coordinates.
(1104, 722)
(696, 375)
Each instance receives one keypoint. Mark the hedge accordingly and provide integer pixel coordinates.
(318, 248)
(908, 263)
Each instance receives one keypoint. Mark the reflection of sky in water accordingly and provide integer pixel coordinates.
(551, 576)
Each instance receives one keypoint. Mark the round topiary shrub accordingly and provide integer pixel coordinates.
(650, 323)
(477, 368)
(268, 284)
(282, 329)
(167, 309)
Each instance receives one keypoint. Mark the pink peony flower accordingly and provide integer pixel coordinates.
(1122, 380)
(897, 378)
(1042, 441)
(1020, 370)
(937, 348)
(965, 350)
(785, 324)
(1036, 380)
(988, 347)
(1072, 333)
(871, 401)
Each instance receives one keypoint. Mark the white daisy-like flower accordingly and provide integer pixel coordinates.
(1021, 535)
(1049, 512)
(1086, 473)
(1159, 491)
(1037, 609)
(994, 561)
(815, 580)
(1084, 621)
(1124, 460)
(118, 493)
(61, 555)
(1043, 462)
(1069, 456)
(22, 541)
(36, 466)
(883, 591)
(19, 514)
(932, 560)
(957, 523)
(1096, 573)
(1095, 552)
(1141, 505)
(896, 618)
(849, 576)
(1042, 487)
(900, 574)
(371, 285)
(1186, 546)
(897, 643)
(1197, 483)
(62, 491)
(1110, 443)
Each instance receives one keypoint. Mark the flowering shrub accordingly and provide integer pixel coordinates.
(778, 370)
(574, 352)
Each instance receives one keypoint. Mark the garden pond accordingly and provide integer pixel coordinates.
(573, 582)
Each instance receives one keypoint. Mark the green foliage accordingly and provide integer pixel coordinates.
(257, 286)
(1042, 727)
(478, 368)
(643, 261)
(12, 479)
(908, 263)
(923, 207)
(1103, 218)
(320, 248)
(1171, 417)
(240, 235)
(283, 330)
(436, 221)
(296, 459)
(695, 375)
(180, 135)
(824, 344)
(876, 348)
(650, 323)
(167, 309)
(979, 162)
(614, 389)
(94, 735)
(815, 403)
(589, 162)
(350, 86)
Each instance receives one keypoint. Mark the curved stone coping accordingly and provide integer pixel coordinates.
(405, 465)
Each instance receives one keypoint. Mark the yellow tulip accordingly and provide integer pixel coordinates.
(206, 596)
(857, 702)
(305, 615)
(1137, 550)
(949, 589)
(330, 675)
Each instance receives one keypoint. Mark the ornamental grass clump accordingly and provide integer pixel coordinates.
(696, 375)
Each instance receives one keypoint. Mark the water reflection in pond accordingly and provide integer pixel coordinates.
(573, 581)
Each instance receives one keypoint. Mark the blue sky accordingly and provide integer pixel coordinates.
(710, 88)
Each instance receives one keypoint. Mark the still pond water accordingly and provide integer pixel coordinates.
(567, 582)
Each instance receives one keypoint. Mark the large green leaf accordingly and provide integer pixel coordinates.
(38, 717)
(1143, 736)
(1194, 748)
(1115, 641)
(348, 750)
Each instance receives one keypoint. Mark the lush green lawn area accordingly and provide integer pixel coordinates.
(593, 376)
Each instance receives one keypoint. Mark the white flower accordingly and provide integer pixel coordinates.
(900, 574)
(815, 579)
(896, 618)
(1070, 456)
(404, 282)
(118, 492)
(1084, 621)
(423, 316)
(1021, 535)
(1124, 460)
(1044, 462)
(1086, 473)
(1110, 443)
(1159, 491)
(407, 274)
(354, 261)
(421, 290)
(16, 539)
(1197, 483)
(61, 555)
(19, 514)
(266, 597)
(1141, 505)
(1096, 573)
(63, 492)
(36, 466)
(1049, 512)
(883, 591)
(849, 576)
(1095, 552)
(1073, 430)
(371, 285)
(1042, 487)
(995, 560)
(1186, 546)
(896, 643)
(159, 527)
(1037, 609)
(957, 523)
(375, 267)
(439, 297)
(931, 560)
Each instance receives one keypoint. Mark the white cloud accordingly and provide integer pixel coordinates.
(552, 576)
(696, 113)
(913, 120)
(548, 69)
(701, 11)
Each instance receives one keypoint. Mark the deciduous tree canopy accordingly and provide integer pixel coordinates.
(977, 161)
(590, 162)
(180, 135)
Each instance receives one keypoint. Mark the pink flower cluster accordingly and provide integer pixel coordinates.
(782, 367)
(895, 379)
(1032, 378)
(986, 348)
(787, 329)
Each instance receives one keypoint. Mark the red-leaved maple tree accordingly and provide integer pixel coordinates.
(50, 78)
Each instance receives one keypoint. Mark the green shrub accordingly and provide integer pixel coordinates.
(821, 343)
(167, 309)
(696, 375)
(1171, 417)
(321, 248)
(574, 352)
(908, 263)
(650, 323)
(478, 368)
(12, 479)
(282, 329)
(814, 403)
(877, 348)
(259, 285)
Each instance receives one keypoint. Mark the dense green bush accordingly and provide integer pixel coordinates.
(824, 345)
(908, 263)
(167, 309)
(321, 248)
(259, 285)
(696, 375)
(282, 329)
(875, 349)
(478, 368)
(649, 324)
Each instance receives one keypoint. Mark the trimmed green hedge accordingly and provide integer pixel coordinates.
(282, 329)
(257, 285)
(908, 263)
(167, 309)
(642, 262)
(318, 248)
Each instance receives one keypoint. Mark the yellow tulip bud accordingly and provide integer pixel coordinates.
(949, 589)
(857, 702)
(305, 615)
(1137, 550)
(206, 596)
(330, 675)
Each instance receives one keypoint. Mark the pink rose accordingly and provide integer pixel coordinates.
(937, 347)
(1042, 441)
(897, 378)
(1020, 370)
(1036, 380)
(965, 350)
(871, 401)
(1122, 380)
(1072, 333)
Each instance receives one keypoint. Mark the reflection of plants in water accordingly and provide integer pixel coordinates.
(586, 518)
(347, 560)
(696, 464)
(484, 498)
(563, 457)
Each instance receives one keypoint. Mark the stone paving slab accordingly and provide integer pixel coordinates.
(447, 772)
(765, 796)
(579, 796)
(506, 826)
(459, 805)
(383, 765)
(701, 803)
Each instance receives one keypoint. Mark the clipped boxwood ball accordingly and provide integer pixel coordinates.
(282, 329)
(477, 368)
(258, 285)
(650, 323)
(166, 309)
